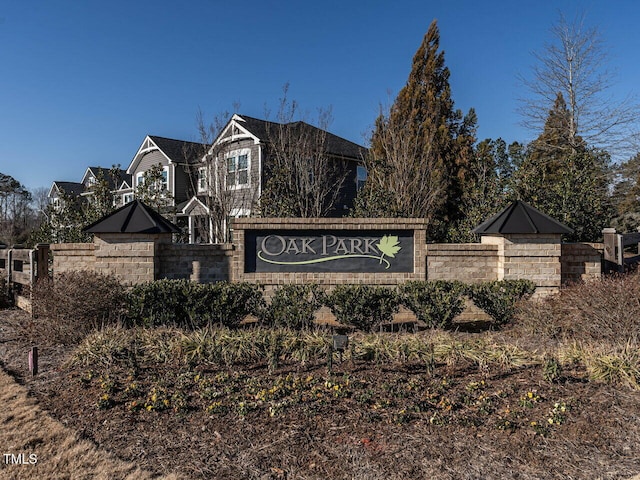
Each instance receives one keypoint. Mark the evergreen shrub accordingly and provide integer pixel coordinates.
(293, 306)
(435, 303)
(187, 304)
(365, 307)
(498, 298)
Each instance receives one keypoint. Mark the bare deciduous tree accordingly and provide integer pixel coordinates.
(303, 178)
(210, 177)
(574, 64)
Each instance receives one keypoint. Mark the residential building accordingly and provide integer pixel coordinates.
(232, 176)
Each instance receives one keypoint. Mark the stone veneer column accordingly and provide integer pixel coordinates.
(534, 257)
(132, 257)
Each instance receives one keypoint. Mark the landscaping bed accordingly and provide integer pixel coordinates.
(481, 405)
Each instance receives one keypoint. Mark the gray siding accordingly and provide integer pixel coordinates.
(245, 198)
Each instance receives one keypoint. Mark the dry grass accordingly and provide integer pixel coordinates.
(60, 453)
(466, 385)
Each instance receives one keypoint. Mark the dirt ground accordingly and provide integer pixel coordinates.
(392, 422)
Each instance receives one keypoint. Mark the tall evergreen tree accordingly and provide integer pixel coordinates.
(485, 189)
(565, 178)
(420, 148)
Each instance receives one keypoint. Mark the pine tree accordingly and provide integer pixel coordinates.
(565, 178)
(420, 147)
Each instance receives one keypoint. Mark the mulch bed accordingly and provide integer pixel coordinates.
(472, 425)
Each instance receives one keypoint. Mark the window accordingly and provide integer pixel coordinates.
(164, 184)
(202, 179)
(238, 170)
(127, 198)
(361, 177)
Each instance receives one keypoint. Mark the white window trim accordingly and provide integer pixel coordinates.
(236, 154)
(203, 179)
(139, 178)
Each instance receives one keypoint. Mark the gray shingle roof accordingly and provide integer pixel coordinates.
(335, 145)
(134, 217)
(520, 217)
(71, 188)
(106, 174)
(179, 151)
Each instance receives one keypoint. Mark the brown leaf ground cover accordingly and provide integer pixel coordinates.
(364, 420)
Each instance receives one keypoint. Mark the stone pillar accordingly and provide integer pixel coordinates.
(610, 237)
(534, 257)
(132, 257)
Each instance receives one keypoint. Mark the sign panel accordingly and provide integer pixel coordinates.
(340, 251)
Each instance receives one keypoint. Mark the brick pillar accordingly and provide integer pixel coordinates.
(132, 257)
(534, 257)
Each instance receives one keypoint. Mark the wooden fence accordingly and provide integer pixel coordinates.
(21, 268)
(618, 248)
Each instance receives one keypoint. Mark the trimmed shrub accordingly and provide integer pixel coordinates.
(225, 303)
(187, 304)
(76, 304)
(436, 303)
(162, 302)
(363, 306)
(499, 298)
(293, 306)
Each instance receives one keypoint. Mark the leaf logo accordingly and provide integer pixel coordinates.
(389, 245)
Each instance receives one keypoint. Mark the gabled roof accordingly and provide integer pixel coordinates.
(106, 174)
(176, 151)
(188, 206)
(520, 217)
(134, 217)
(335, 145)
(70, 188)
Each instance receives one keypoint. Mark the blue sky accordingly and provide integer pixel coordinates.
(83, 82)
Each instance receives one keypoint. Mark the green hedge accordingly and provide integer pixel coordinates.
(293, 306)
(498, 299)
(436, 303)
(363, 306)
(187, 304)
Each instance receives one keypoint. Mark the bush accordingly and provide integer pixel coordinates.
(76, 304)
(293, 306)
(604, 310)
(5, 297)
(498, 299)
(225, 303)
(162, 302)
(435, 303)
(187, 304)
(363, 306)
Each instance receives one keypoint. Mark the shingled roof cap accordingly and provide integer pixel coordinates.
(520, 217)
(134, 217)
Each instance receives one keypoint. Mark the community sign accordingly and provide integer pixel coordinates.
(329, 251)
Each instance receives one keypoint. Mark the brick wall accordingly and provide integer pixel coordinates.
(131, 257)
(141, 258)
(73, 256)
(581, 261)
(199, 263)
(466, 262)
(327, 279)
